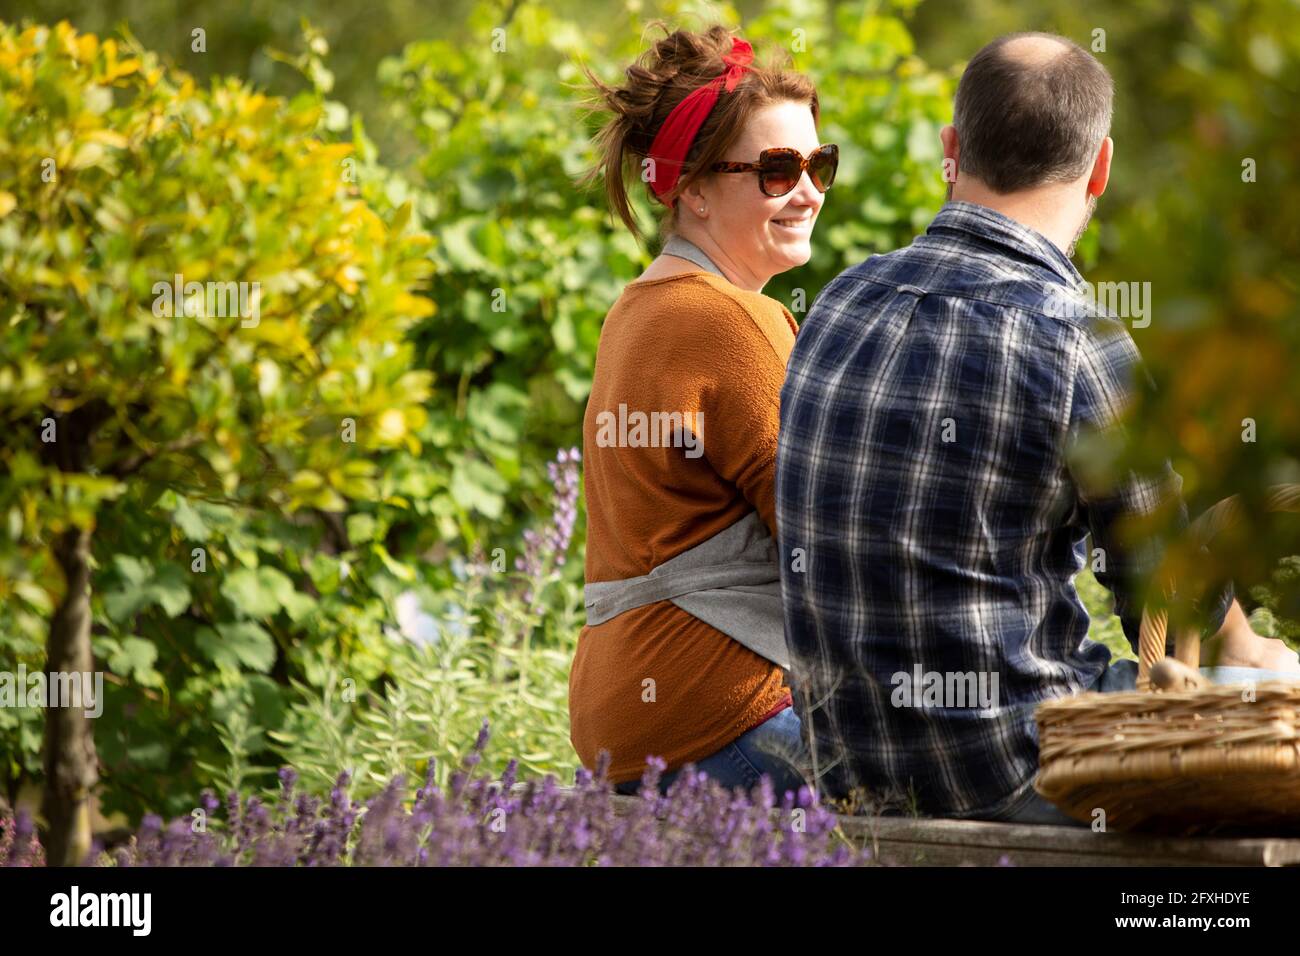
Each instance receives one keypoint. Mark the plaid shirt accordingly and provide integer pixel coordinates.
(929, 521)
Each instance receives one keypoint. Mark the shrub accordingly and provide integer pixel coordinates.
(500, 641)
(135, 209)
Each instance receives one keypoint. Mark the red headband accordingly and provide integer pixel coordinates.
(669, 149)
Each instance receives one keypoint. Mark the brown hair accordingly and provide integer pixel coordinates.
(1029, 121)
(662, 77)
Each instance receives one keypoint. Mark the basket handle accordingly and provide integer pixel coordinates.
(1187, 645)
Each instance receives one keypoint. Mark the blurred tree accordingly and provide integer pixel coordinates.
(193, 300)
(236, 38)
(1202, 206)
(1207, 212)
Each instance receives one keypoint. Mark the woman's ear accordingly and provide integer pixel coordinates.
(693, 199)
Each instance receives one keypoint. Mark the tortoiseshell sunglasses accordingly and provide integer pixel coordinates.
(780, 168)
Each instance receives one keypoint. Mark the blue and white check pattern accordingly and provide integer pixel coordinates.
(928, 515)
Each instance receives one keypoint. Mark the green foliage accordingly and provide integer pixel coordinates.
(203, 446)
(1202, 205)
(1278, 613)
(499, 642)
(1105, 625)
(527, 265)
(430, 708)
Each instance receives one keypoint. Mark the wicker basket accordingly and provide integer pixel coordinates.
(1178, 761)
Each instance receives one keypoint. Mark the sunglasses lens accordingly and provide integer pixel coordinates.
(821, 168)
(780, 174)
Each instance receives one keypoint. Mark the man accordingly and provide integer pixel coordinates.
(930, 519)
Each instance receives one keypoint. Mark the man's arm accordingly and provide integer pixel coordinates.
(1237, 645)
(1125, 566)
(1109, 370)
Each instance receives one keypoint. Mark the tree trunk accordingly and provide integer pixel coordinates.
(71, 770)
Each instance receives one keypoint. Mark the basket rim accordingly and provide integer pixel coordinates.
(1152, 701)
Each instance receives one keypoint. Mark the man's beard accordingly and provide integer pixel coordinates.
(1087, 217)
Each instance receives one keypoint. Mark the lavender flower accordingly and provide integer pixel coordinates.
(18, 843)
(480, 821)
(549, 547)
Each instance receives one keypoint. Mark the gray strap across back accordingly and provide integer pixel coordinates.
(730, 581)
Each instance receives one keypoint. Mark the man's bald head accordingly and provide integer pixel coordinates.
(1031, 109)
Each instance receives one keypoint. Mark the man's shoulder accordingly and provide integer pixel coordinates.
(877, 274)
(887, 268)
(968, 274)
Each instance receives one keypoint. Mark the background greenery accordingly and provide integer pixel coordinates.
(367, 618)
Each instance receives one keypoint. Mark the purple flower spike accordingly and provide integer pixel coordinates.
(482, 820)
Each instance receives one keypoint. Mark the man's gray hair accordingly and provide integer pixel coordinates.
(1026, 121)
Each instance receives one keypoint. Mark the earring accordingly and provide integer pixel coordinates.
(701, 209)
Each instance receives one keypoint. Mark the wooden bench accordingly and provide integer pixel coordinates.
(913, 841)
(916, 841)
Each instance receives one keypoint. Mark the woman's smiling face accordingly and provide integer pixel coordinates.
(759, 236)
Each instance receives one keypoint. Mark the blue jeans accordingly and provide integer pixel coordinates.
(1119, 676)
(775, 748)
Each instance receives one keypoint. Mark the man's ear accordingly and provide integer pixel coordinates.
(1100, 175)
(951, 149)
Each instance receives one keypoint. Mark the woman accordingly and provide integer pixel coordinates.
(683, 654)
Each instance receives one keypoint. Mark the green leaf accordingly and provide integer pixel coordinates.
(189, 521)
(268, 702)
(298, 605)
(234, 645)
(135, 660)
(257, 592)
(400, 571)
(458, 246)
(326, 573)
(171, 589)
(133, 570)
(361, 528)
(476, 486)
(166, 586)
